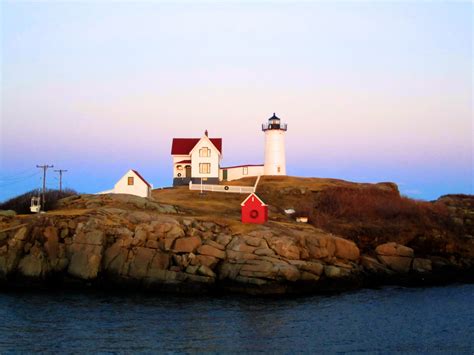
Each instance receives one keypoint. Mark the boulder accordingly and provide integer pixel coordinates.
(396, 263)
(308, 266)
(11, 253)
(192, 269)
(34, 264)
(238, 244)
(163, 208)
(229, 270)
(168, 243)
(211, 251)
(114, 259)
(85, 260)
(187, 244)
(209, 261)
(206, 271)
(140, 262)
(334, 272)
(346, 249)
(373, 265)
(285, 247)
(288, 272)
(139, 217)
(51, 245)
(64, 233)
(258, 268)
(161, 261)
(422, 265)
(181, 260)
(250, 280)
(264, 252)
(321, 246)
(94, 237)
(140, 236)
(223, 239)
(307, 276)
(397, 257)
(21, 234)
(153, 244)
(165, 276)
(175, 232)
(394, 249)
(238, 255)
(253, 241)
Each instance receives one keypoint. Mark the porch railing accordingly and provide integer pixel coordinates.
(222, 188)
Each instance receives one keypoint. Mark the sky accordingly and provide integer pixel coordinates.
(371, 91)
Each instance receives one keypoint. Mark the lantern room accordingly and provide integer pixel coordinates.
(274, 123)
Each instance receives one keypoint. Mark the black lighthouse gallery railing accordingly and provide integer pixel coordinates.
(280, 126)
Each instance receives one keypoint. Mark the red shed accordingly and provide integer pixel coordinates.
(254, 210)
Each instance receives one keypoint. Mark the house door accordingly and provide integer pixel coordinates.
(224, 174)
(188, 171)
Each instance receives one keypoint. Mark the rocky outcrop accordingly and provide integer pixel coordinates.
(395, 256)
(138, 245)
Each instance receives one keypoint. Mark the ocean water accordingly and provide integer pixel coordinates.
(394, 319)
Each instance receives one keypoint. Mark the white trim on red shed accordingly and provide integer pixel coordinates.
(258, 198)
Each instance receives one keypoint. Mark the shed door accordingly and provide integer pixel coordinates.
(224, 174)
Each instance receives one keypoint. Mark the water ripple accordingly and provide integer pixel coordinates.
(393, 319)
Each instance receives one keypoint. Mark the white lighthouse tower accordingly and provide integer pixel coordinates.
(275, 161)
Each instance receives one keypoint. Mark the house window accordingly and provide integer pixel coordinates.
(130, 180)
(204, 152)
(279, 169)
(245, 170)
(204, 168)
(179, 167)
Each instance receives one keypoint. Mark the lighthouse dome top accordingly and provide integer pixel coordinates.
(274, 123)
(274, 117)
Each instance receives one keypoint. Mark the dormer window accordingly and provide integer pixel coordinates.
(204, 152)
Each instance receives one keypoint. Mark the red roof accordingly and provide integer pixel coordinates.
(184, 162)
(141, 177)
(183, 146)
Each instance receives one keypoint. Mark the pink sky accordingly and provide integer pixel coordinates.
(371, 92)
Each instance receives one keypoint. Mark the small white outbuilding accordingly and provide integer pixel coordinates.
(131, 183)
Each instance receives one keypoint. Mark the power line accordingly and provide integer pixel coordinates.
(18, 176)
(14, 182)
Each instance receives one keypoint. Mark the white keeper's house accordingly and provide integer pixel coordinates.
(195, 159)
(199, 159)
(131, 183)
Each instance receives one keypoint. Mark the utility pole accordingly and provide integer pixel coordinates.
(60, 171)
(44, 167)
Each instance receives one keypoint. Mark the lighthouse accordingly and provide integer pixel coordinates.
(275, 161)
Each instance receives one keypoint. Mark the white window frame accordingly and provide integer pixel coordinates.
(204, 168)
(204, 152)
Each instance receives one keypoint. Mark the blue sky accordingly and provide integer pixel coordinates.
(372, 91)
